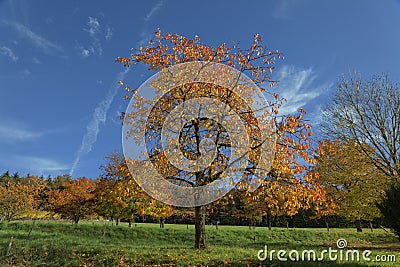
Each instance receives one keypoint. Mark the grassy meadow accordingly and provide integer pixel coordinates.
(46, 243)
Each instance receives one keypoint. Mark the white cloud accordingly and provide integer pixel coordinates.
(6, 51)
(93, 26)
(49, 20)
(36, 39)
(83, 51)
(282, 8)
(39, 164)
(144, 38)
(14, 132)
(36, 60)
(25, 73)
(109, 33)
(316, 115)
(100, 113)
(297, 87)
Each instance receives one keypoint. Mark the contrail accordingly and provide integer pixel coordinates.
(100, 112)
(154, 10)
(93, 127)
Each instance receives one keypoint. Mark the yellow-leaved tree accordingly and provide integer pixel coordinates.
(351, 179)
(255, 62)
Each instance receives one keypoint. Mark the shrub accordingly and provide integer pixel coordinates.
(390, 208)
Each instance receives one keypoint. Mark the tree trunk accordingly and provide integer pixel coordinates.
(161, 222)
(116, 222)
(371, 226)
(358, 226)
(200, 227)
(327, 224)
(76, 220)
(199, 211)
(130, 223)
(269, 221)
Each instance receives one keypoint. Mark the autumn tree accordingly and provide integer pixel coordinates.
(37, 187)
(185, 215)
(16, 200)
(367, 112)
(120, 197)
(241, 205)
(351, 179)
(196, 135)
(284, 196)
(115, 196)
(58, 181)
(220, 208)
(154, 208)
(107, 202)
(7, 177)
(323, 205)
(290, 185)
(73, 200)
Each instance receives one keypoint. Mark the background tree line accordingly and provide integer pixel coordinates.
(345, 200)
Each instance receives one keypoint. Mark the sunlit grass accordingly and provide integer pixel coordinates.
(104, 244)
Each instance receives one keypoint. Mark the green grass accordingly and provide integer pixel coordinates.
(104, 244)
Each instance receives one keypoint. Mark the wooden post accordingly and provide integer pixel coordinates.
(9, 246)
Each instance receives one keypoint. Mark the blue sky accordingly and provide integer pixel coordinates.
(59, 96)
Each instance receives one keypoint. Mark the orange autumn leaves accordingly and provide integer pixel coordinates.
(110, 198)
(75, 200)
(120, 197)
(290, 185)
(171, 49)
(18, 199)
